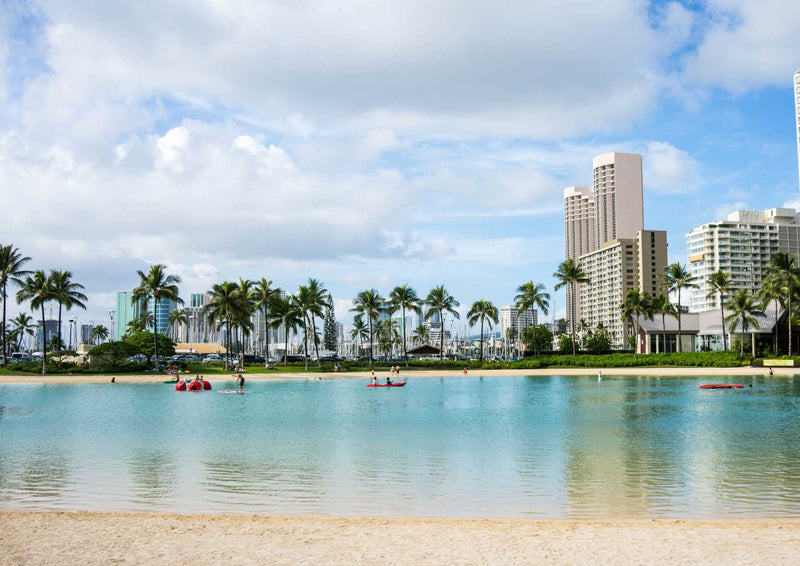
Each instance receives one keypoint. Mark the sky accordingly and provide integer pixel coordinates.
(371, 144)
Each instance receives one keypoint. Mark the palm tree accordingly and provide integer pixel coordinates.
(769, 292)
(720, 284)
(636, 304)
(223, 308)
(156, 285)
(570, 274)
(264, 297)
(68, 294)
(440, 301)
(529, 296)
(38, 289)
(177, 318)
(405, 298)
(661, 305)
(482, 310)
(22, 325)
(784, 274)
(11, 262)
(320, 300)
(585, 330)
(359, 332)
(676, 278)
(421, 334)
(743, 310)
(242, 322)
(308, 301)
(368, 304)
(141, 324)
(285, 313)
(98, 334)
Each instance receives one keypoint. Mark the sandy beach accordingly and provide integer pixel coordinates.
(411, 374)
(46, 538)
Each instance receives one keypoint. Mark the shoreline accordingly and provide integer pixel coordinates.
(77, 538)
(311, 374)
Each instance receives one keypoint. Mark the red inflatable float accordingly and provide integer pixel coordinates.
(206, 386)
(180, 386)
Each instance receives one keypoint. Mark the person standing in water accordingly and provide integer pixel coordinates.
(240, 382)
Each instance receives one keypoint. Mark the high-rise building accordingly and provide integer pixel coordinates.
(161, 313)
(618, 197)
(614, 269)
(796, 85)
(743, 246)
(512, 317)
(126, 311)
(604, 233)
(86, 332)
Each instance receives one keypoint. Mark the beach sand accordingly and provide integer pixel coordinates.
(66, 539)
(411, 374)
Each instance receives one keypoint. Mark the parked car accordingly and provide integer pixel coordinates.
(21, 357)
(212, 358)
(253, 359)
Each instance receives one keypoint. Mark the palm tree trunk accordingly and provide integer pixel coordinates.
(775, 332)
(789, 319)
(285, 346)
(533, 325)
(679, 320)
(722, 314)
(266, 336)
(155, 332)
(58, 343)
(741, 340)
(481, 355)
(44, 343)
(5, 345)
(664, 332)
(572, 315)
(228, 344)
(405, 349)
(370, 342)
(316, 345)
(441, 336)
(305, 341)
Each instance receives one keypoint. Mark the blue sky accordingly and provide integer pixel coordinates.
(370, 145)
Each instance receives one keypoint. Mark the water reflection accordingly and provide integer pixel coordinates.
(154, 476)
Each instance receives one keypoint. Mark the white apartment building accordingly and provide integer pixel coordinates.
(743, 246)
(620, 265)
(796, 85)
(511, 317)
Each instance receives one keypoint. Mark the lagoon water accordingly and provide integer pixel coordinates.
(520, 447)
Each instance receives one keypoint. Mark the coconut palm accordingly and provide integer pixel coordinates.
(769, 292)
(11, 271)
(744, 309)
(636, 304)
(570, 274)
(22, 325)
(285, 313)
(176, 319)
(783, 274)
(440, 301)
(421, 334)
(98, 334)
(720, 284)
(482, 310)
(68, 294)
(359, 332)
(585, 330)
(369, 304)
(38, 289)
(156, 285)
(320, 300)
(661, 305)
(264, 297)
(224, 308)
(677, 277)
(531, 295)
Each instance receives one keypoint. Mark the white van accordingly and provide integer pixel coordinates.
(20, 357)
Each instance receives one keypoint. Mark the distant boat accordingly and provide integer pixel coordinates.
(398, 384)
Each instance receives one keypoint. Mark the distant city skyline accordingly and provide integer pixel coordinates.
(372, 146)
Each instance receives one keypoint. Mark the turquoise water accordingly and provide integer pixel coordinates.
(547, 447)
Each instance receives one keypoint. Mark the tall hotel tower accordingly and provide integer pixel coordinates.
(604, 233)
(797, 113)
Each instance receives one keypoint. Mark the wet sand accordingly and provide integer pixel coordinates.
(410, 374)
(67, 539)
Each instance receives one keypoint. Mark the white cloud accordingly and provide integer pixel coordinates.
(668, 169)
(746, 45)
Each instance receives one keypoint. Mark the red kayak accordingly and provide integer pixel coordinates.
(722, 386)
(398, 384)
